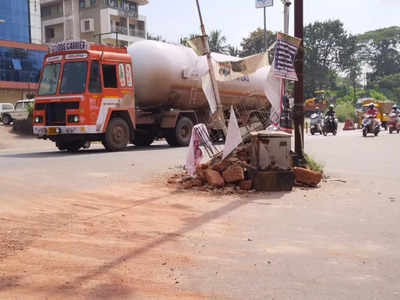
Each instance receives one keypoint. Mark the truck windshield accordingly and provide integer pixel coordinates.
(48, 83)
(74, 77)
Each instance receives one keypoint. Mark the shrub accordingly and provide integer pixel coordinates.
(345, 111)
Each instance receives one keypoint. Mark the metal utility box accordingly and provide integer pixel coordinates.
(271, 150)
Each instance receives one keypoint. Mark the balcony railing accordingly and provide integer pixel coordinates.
(137, 32)
(126, 8)
(119, 29)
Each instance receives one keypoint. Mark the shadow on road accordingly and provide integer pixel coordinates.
(191, 224)
(54, 154)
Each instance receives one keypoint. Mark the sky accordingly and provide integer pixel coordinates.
(175, 19)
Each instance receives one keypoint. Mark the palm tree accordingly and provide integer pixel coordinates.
(217, 42)
(233, 51)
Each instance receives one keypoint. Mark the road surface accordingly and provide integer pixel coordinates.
(98, 225)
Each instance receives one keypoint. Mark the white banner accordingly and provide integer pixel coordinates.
(272, 90)
(209, 92)
(194, 154)
(199, 45)
(231, 70)
(233, 138)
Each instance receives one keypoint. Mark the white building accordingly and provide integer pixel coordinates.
(93, 20)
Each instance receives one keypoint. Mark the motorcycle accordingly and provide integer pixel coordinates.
(330, 125)
(370, 125)
(315, 124)
(394, 123)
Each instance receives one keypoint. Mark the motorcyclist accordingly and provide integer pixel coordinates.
(396, 110)
(331, 113)
(318, 113)
(372, 110)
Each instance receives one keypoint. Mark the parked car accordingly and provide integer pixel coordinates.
(5, 108)
(20, 111)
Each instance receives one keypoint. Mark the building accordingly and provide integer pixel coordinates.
(102, 21)
(21, 55)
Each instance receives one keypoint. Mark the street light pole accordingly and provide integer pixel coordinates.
(298, 112)
(220, 112)
(265, 29)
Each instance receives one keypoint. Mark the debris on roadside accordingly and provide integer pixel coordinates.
(230, 175)
(262, 163)
(307, 177)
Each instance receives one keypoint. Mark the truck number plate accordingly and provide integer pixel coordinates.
(52, 131)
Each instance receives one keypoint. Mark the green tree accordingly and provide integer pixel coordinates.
(233, 51)
(217, 42)
(327, 51)
(255, 42)
(149, 36)
(380, 49)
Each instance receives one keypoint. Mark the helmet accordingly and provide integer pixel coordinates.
(331, 106)
(371, 105)
(394, 106)
(316, 108)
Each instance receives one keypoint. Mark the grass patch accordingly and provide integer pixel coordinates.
(313, 164)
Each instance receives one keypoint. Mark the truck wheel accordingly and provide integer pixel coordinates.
(116, 137)
(143, 140)
(6, 119)
(181, 134)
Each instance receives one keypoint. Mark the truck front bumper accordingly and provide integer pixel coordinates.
(45, 131)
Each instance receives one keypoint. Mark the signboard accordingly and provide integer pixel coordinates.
(264, 3)
(285, 52)
(69, 45)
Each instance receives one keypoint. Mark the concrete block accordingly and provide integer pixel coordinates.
(273, 181)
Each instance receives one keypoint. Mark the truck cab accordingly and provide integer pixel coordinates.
(85, 94)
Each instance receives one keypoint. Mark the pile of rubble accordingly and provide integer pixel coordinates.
(232, 174)
(235, 174)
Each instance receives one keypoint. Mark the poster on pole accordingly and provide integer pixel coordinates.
(285, 52)
(264, 3)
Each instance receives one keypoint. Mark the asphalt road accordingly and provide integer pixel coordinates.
(340, 241)
(47, 169)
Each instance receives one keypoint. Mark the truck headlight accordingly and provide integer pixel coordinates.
(38, 119)
(73, 119)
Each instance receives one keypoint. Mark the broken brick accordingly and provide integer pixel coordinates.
(222, 165)
(200, 173)
(214, 178)
(233, 174)
(305, 176)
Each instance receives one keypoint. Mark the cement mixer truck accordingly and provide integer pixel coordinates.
(118, 96)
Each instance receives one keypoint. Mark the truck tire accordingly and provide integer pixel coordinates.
(181, 134)
(116, 137)
(142, 139)
(6, 119)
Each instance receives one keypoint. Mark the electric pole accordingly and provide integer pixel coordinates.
(298, 112)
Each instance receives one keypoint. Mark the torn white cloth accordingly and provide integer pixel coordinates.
(233, 69)
(233, 138)
(209, 92)
(272, 90)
